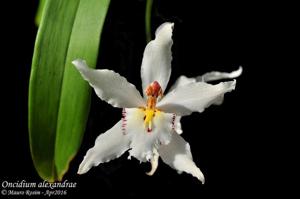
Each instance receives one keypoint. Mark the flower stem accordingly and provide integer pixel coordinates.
(148, 20)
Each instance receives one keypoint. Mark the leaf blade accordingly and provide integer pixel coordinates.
(53, 51)
(39, 12)
(88, 51)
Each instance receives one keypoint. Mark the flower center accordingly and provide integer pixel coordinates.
(153, 91)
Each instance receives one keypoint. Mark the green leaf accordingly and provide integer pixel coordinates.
(59, 98)
(39, 12)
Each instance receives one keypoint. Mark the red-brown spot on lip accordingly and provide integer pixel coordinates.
(173, 121)
(124, 120)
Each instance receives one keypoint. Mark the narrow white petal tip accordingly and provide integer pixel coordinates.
(240, 70)
(85, 165)
(154, 162)
(151, 172)
(163, 33)
(198, 174)
(171, 25)
(236, 73)
(77, 61)
(165, 27)
(154, 165)
(80, 64)
(233, 84)
(202, 181)
(230, 85)
(201, 177)
(81, 170)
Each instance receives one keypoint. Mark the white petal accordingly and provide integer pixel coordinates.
(207, 77)
(108, 146)
(215, 75)
(177, 125)
(143, 142)
(154, 163)
(177, 154)
(156, 64)
(182, 81)
(194, 97)
(110, 86)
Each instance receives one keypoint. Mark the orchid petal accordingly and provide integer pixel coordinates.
(108, 146)
(215, 75)
(110, 86)
(182, 81)
(143, 143)
(211, 76)
(177, 125)
(194, 97)
(156, 64)
(154, 163)
(177, 154)
(207, 77)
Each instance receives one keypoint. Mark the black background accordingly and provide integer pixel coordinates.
(232, 143)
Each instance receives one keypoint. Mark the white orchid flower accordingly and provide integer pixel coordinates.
(150, 126)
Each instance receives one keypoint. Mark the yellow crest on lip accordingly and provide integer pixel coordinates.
(153, 91)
